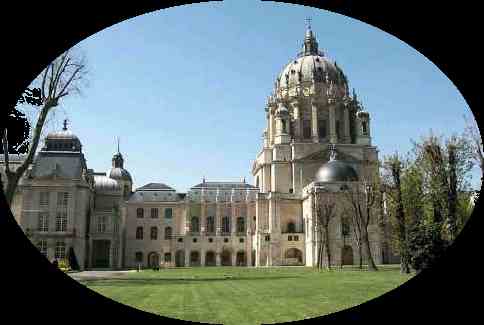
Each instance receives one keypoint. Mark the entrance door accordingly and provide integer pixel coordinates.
(347, 255)
(100, 253)
(180, 258)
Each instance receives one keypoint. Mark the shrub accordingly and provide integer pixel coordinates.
(425, 245)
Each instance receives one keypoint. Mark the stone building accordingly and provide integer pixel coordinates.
(316, 147)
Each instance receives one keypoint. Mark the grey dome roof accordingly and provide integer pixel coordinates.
(336, 171)
(120, 173)
(62, 135)
(306, 69)
(105, 184)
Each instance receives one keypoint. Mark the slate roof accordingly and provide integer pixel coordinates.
(13, 157)
(224, 185)
(68, 164)
(155, 187)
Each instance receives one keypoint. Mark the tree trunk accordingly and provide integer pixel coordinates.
(369, 257)
(360, 256)
(12, 181)
(328, 250)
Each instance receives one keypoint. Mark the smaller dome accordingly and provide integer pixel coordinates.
(336, 171)
(120, 173)
(105, 184)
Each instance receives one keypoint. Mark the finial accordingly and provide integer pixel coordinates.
(332, 151)
(65, 125)
(118, 144)
(203, 179)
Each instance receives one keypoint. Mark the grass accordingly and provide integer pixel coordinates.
(232, 295)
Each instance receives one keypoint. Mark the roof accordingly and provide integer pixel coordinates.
(336, 171)
(155, 187)
(103, 183)
(224, 185)
(63, 164)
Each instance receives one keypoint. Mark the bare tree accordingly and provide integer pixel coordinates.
(62, 77)
(362, 197)
(324, 211)
(473, 134)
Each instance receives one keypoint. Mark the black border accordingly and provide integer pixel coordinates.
(446, 34)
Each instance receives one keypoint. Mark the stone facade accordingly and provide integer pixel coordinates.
(311, 119)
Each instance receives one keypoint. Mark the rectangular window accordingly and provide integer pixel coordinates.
(268, 237)
(322, 128)
(154, 233)
(43, 222)
(210, 224)
(42, 245)
(139, 233)
(60, 250)
(44, 200)
(154, 213)
(61, 221)
(62, 199)
(296, 238)
(138, 256)
(101, 224)
(139, 213)
(168, 213)
(241, 240)
(115, 227)
(180, 240)
(289, 238)
(226, 224)
(240, 225)
(306, 129)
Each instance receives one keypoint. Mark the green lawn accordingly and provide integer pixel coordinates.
(251, 295)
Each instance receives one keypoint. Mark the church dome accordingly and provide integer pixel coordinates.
(63, 140)
(310, 65)
(105, 184)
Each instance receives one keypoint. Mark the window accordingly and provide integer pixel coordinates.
(364, 128)
(195, 224)
(101, 224)
(284, 127)
(291, 227)
(180, 240)
(115, 227)
(43, 222)
(168, 213)
(42, 245)
(115, 255)
(226, 240)
(60, 250)
(168, 233)
(345, 227)
(291, 128)
(61, 221)
(194, 240)
(140, 213)
(138, 256)
(296, 238)
(210, 240)
(210, 224)
(268, 237)
(154, 233)
(44, 199)
(226, 224)
(241, 240)
(139, 233)
(322, 128)
(62, 199)
(154, 213)
(306, 129)
(289, 238)
(240, 224)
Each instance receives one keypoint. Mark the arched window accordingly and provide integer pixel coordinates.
(226, 224)
(139, 233)
(154, 233)
(284, 126)
(140, 212)
(345, 227)
(240, 224)
(322, 128)
(364, 128)
(195, 224)
(168, 233)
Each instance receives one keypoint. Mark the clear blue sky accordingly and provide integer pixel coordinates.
(185, 87)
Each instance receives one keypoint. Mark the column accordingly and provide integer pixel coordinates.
(203, 221)
(297, 121)
(217, 259)
(218, 219)
(347, 138)
(202, 257)
(314, 120)
(234, 257)
(233, 219)
(332, 124)
(187, 257)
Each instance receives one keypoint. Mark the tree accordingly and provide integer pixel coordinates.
(472, 133)
(324, 210)
(60, 78)
(393, 165)
(362, 197)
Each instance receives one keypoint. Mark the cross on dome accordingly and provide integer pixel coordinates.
(65, 125)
